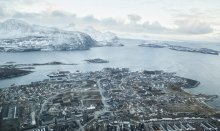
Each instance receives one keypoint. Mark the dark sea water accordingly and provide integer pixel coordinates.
(202, 67)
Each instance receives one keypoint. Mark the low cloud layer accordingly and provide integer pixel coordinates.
(134, 25)
(193, 27)
(134, 18)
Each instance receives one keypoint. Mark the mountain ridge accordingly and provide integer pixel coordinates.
(17, 35)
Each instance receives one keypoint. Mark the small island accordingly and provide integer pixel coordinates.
(152, 45)
(182, 48)
(13, 64)
(12, 72)
(97, 60)
(52, 63)
(11, 69)
(188, 49)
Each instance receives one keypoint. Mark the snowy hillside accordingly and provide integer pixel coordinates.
(103, 39)
(16, 35)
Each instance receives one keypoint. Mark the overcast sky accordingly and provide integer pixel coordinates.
(151, 19)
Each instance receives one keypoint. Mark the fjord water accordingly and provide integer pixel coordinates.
(202, 67)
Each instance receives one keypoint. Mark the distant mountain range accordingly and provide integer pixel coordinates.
(17, 35)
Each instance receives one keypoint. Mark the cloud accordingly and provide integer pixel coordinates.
(62, 19)
(2, 12)
(25, 15)
(156, 26)
(58, 13)
(90, 18)
(120, 26)
(134, 18)
(193, 22)
(45, 18)
(193, 27)
(186, 26)
(21, 1)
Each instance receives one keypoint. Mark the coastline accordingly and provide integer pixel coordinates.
(206, 102)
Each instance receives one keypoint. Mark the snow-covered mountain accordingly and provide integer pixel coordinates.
(14, 26)
(103, 39)
(17, 35)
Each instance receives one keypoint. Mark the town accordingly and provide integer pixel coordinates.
(113, 99)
